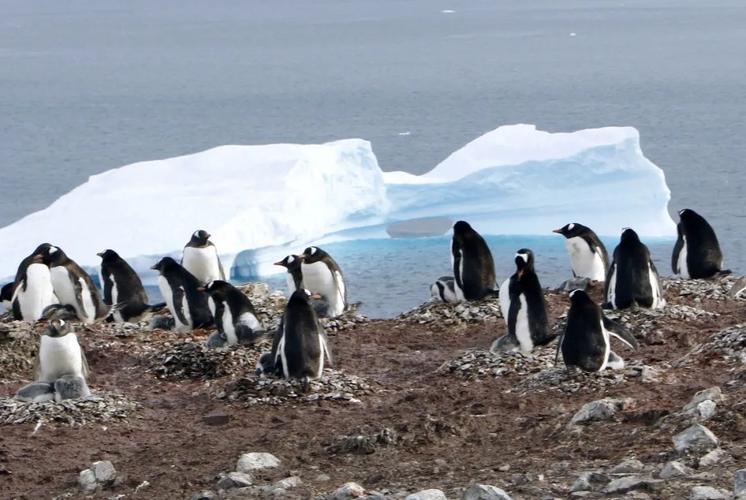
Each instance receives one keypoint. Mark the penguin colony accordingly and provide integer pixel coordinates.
(50, 286)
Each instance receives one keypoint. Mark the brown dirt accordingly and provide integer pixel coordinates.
(452, 432)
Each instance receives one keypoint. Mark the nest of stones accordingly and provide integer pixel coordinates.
(453, 314)
(102, 407)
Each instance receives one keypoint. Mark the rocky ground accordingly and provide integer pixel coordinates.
(414, 403)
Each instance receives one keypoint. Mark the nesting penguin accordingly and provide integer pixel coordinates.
(524, 308)
(697, 251)
(444, 290)
(632, 278)
(61, 367)
(586, 342)
(294, 277)
(322, 276)
(588, 256)
(234, 315)
(33, 291)
(473, 266)
(201, 258)
(180, 289)
(73, 286)
(301, 343)
(123, 288)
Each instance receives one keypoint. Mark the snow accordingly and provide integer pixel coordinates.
(279, 198)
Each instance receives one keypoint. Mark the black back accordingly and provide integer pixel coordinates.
(525, 282)
(704, 258)
(631, 265)
(583, 343)
(226, 295)
(6, 293)
(573, 230)
(293, 265)
(56, 257)
(132, 300)
(179, 278)
(37, 256)
(468, 247)
(302, 331)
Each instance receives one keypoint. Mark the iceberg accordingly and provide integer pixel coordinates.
(262, 202)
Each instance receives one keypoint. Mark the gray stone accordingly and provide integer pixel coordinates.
(674, 469)
(104, 472)
(322, 478)
(602, 409)
(217, 417)
(289, 482)
(715, 456)
(204, 495)
(739, 487)
(87, 481)
(249, 462)
(348, 491)
(427, 495)
(628, 466)
(711, 394)
(485, 492)
(705, 410)
(696, 438)
(587, 480)
(235, 480)
(629, 483)
(650, 374)
(708, 493)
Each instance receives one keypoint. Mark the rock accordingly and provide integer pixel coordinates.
(629, 483)
(739, 487)
(602, 409)
(87, 481)
(427, 495)
(708, 493)
(587, 480)
(705, 410)
(322, 478)
(674, 469)
(715, 456)
(711, 394)
(216, 417)
(485, 492)
(348, 491)
(629, 466)
(289, 483)
(204, 495)
(650, 374)
(696, 438)
(249, 462)
(235, 480)
(104, 472)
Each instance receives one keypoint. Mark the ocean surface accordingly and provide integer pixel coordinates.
(89, 85)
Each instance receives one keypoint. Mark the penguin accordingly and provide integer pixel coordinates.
(294, 275)
(180, 289)
(61, 369)
(301, 343)
(234, 315)
(473, 267)
(632, 278)
(697, 252)
(73, 286)
(444, 290)
(322, 275)
(524, 308)
(6, 296)
(588, 256)
(32, 289)
(123, 289)
(586, 342)
(201, 258)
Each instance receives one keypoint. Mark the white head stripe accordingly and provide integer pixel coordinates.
(571, 226)
(62, 322)
(52, 250)
(313, 250)
(574, 292)
(523, 256)
(290, 259)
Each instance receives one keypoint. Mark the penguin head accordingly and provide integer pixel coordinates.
(689, 216)
(108, 255)
(164, 265)
(265, 364)
(53, 256)
(290, 262)
(300, 296)
(216, 288)
(58, 328)
(524, 260)
(578, 297)
(572, 230)
(629, 236)
(462, 227)
(313, 254)
(200, 238)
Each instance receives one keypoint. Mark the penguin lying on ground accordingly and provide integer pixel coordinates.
(633, 278)
(524, 308)
(321, 275)
(123, 289)
(32, 289)
(697, 252)
(586, 342)
(234, 315)
(61, 367)
(473, 266)
(588, 256)
(180, 290)
(201, 258)
(444, 290)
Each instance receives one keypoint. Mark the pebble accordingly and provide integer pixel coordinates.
(205, 495)
(99, 474)
(602, 409)
(629, 466)
(587, 480)
(249, 462)
(235, 480)
(715, 456)
(217, 417)
(708, 493)
(674, 469)
(485, 492)
(696, 438)
(739, 486)
(289, 483)
(629, 483)
(348, 491)
(101, 407)
(431, 494)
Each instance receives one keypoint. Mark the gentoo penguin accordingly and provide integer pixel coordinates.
(201, 258)
(6, 296)
(523, 307)
(697, 251)
(588, 256)
(322, 275)
(123, 289)
(586, 342)
(74, 287)
(294, 276)
(234, 315)
(61, 367)
(633, 278)
(473, 267)
(32, 290)
(444, 290)
(180, 290)
(302, 342)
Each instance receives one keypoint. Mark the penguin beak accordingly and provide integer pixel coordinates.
(154, 267)
(100, 254)
(316, 296)
(558, 231)
(278, 263)
(201, 289)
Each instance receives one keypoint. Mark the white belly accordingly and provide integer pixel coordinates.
(611, 294)
(228, 328)
(585, 263)
(168, 296)
(681, 263)
(291, 284)
(318, 278)
(505, 299)
(202, 263)
(522, 332)
(251, 321)
(658, 300)
(39, 292)
(607, 347)
(59, 356)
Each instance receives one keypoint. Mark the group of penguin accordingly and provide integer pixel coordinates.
(631, 279)
(51, 286)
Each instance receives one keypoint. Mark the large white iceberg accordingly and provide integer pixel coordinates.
(279, 198)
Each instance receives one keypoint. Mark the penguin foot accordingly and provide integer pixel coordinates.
(36, 392)
(305, 384)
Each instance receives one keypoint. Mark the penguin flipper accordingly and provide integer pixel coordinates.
(220, 265)
(559, 347)
(620, 332)
(84, 364)
(179, 296)
(677, 251)
(325, 344)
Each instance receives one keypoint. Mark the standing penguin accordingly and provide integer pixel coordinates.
(697, 251)
(322, 275)
(201, 258)
(61, 369)
(32, 289)
(234, 315)
(633, 278)
(302, 344)
(473, 267)
(523, 307)
(588, 256)
(73, 286)
(294, 276)
(180, 290)
(444, 289)
(586, 342)
(123, 289)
